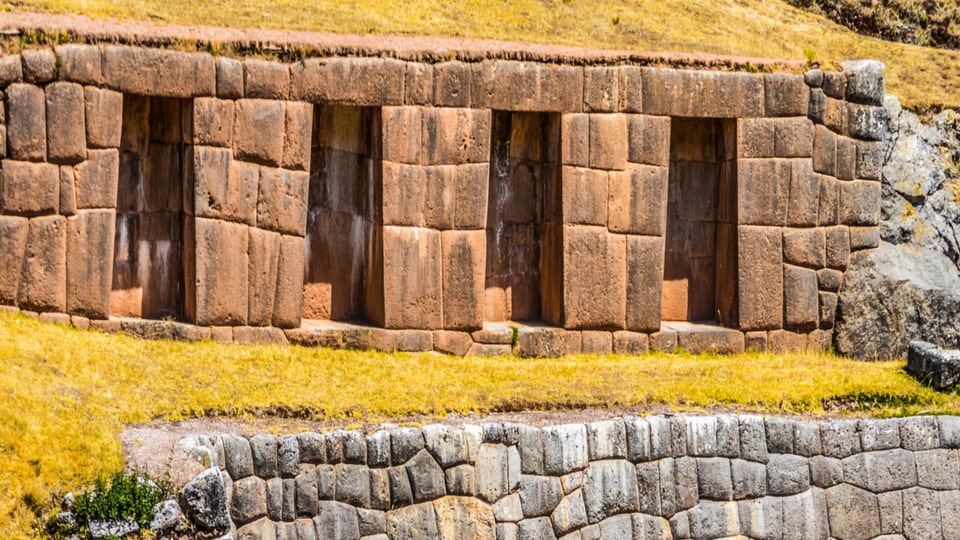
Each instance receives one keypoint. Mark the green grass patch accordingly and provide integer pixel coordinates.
(924, 78)
(66, 395)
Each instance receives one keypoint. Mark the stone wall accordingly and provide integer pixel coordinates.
(659, 477)
(599, 204)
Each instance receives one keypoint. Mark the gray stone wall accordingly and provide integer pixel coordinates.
(660, 477)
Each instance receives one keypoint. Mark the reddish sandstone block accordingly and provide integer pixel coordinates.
(594, 278)
(404, 194)
(800, 297)
(546, 342)
(860, 203)
(402, 134)
(452, 342)
(829, 203)
(663, 341)
(3, 141)
(838, 247)
(454, 136)
(282, 201)
(13, 243)
(824, 151)
(631, 89)
(785, 94)
(219, 290)
(846, 167)
(560, 88)
(79, 63)
(804, 206)
(575, 140)
(470, 199)
(296, 140)
(760, 278)
(11, 70)
(350, 81)
(709, 340)
(638, 200)
(702, 94)
(288, 302)
(164, 189)
(155, 72)
(608, 141)
(828, 309)
(265, 79)
(66, 128)
(632, 343)
(229, 78)
(412, 278)
(68, 191)
(89, 260)
(649, 140)
(418, 84)
(43, 275)
(224, 189)
(464, 259)
(785, 341)
(213, 122)
(507, 86)
(103, 113)
(829, 279)
(39, 65)
(864, 238)
(763, 189)
(255, 118)
(836, 115)
(26, 123)
(29, 188)
(805, 247)
(794, 137)
(756, 137)
(437, 211)
(584, 196)
(755, 341)
(601, 89)
(644, 283)
(596, 342)
(451, 84)
(263, 256)
(97, 178)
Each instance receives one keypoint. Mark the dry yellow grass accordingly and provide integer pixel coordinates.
(922, 77)
(65, 395)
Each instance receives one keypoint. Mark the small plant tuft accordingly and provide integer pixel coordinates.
(616, 20)
(514, 336)
(122, 496)
(811, 55)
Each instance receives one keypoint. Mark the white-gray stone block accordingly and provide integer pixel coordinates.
(564, 449)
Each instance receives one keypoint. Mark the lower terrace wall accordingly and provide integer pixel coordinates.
(660, 477)
(586, 201)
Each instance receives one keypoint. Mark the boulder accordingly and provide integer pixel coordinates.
(204, 500)
(895, 294)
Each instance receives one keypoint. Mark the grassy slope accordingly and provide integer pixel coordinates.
(65, 395)
(766, 28)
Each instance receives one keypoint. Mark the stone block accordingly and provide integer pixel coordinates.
(828, 309)
(805, 187)
(43, 274)
(523, 86)
(229, 78)
(418, 84)
(26, 123)
(710, 340)
(452, 342)
(11, 70)
(156, 72)
(610, 488)
(922, 514)
(756, 137)
(607, 439)
(89, 263)
(853, 512)
(338, 520)
(864, 238)
(918, 432)
(637, 200)
(451, 85)
(265, 79)
(829, 202)
(66, 127)
(13, 242)
(306, 494)
(649, 140)
(96, 179)
(263, 257)
(254, 117)
(838, 247)
(103, 114)
(402, 134)
(866, 80)
(785, 94)
(349, 81)
(793, 137)
(804, 247)
(881, 471)
(585, 194)
(213, 122)
(630, 343)
(824, 151)
(866, 122)
(288, 303)
(869, 160)
(39, 65)
(452, 136)
(413, 278)
(663, 341)
(297, 132)
(493, 474)
(594, 280)
(596, 342)
(860, 203)
(668, 92)
(608, 141)
(570, 514)
(539, 495)
(801, 297)
(238, 460)
(224, 188)
(249, 501)
(565, 449)
(846, 167)
(79, 63)
(840, 438)
(282, 201)
(601, 89)
(575, 140)
(29, 188)
(714, 478)
(763, 188)
(879, 434)
(835, 115)
(755, 341)
(218, 294)
(760, 282)
(748, 479)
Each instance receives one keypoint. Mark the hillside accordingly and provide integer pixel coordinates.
(924, 78)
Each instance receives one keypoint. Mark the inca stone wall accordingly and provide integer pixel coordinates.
(431, 206)
(660, 477)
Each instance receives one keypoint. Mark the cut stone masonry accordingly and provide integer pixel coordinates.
(337, 201)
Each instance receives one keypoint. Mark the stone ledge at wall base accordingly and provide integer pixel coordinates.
(935, 367)
(659, 477)
(494, 339)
